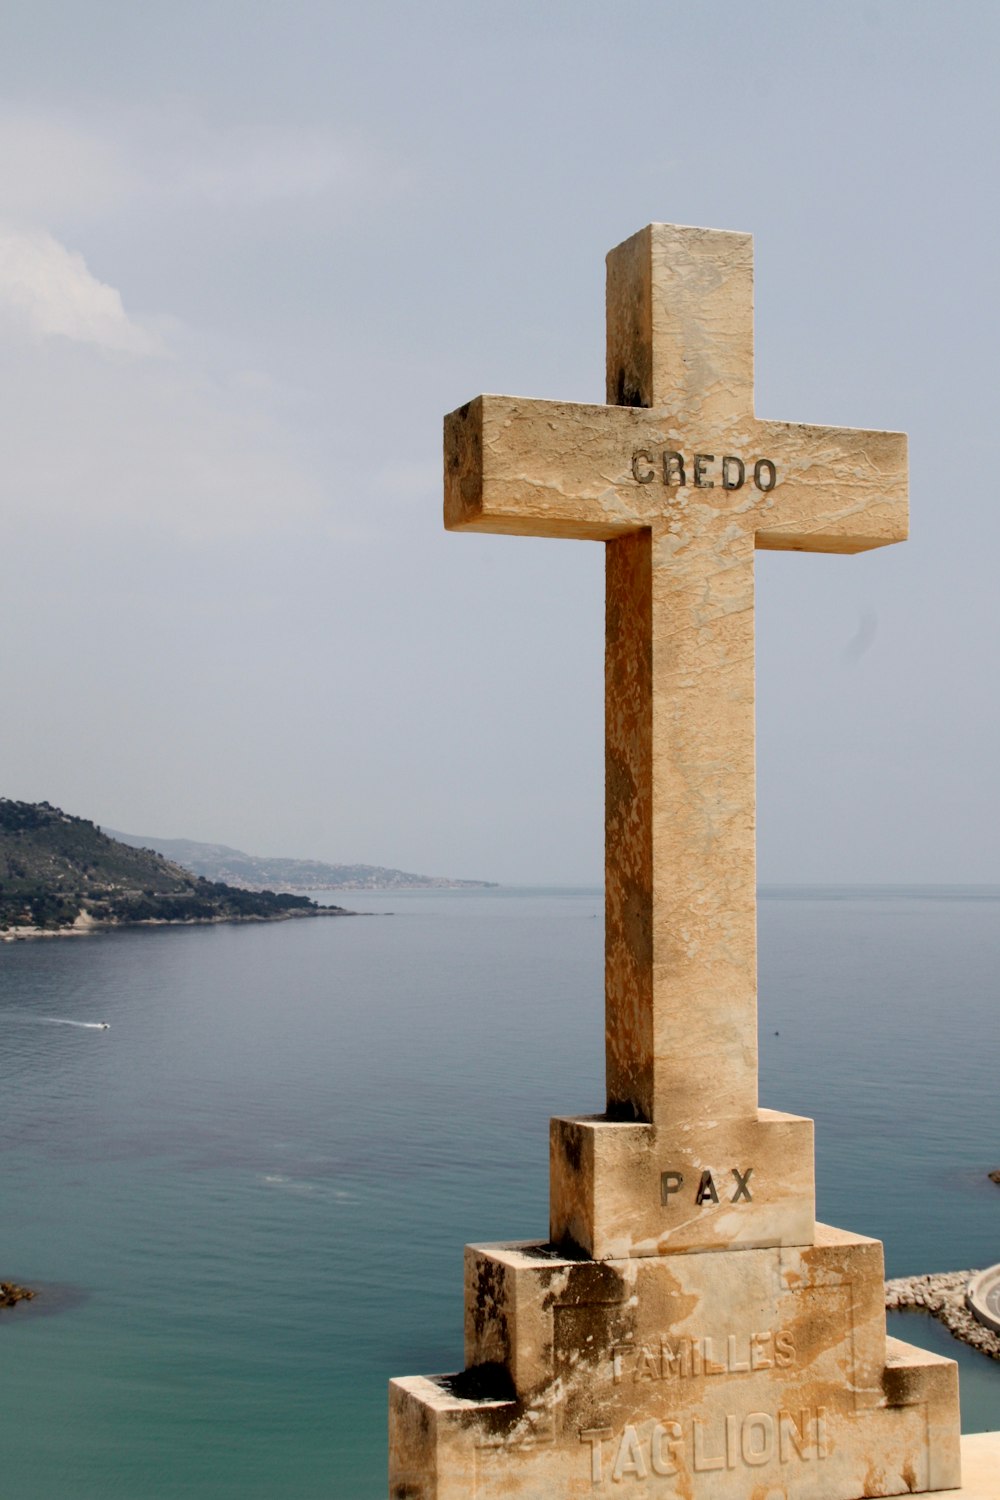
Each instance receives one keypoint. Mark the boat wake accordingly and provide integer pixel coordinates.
(84, 1025)
(61, 1021)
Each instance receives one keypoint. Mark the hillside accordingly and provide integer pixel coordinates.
(254, 872)
(57, 870)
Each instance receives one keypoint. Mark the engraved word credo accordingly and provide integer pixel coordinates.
(673, 468)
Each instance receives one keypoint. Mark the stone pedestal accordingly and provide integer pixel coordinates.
(754, 1374)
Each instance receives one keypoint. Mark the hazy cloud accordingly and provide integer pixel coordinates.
(49, 290)
(118, 416)
(100, 417)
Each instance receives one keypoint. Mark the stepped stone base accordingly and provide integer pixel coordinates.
(755, 1374)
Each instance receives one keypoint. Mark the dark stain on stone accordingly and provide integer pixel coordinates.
(572, 1144)
(546, 1251)
(636, 920)
(901, 1385)
(593, 1281)
(489, 1307)
(624, 1112)
(627, 394)
(586, 1282)
(567, 1248)
(612, 615)
(620, 789)
(489, 1382)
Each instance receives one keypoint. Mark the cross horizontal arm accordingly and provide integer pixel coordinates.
(566, 469)
(543, 468)
(839, 489)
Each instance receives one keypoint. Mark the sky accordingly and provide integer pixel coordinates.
(251, 254)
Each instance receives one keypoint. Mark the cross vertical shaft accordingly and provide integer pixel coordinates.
(680, 948)
(680, 951)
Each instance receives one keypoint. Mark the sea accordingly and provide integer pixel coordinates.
(244, 1204)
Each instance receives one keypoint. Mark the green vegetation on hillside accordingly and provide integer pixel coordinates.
(53, 867)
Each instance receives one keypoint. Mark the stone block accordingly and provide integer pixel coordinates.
(623, 1189)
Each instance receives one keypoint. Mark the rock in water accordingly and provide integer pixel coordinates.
(10, 1294)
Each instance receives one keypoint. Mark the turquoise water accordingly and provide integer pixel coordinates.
(246, 1203)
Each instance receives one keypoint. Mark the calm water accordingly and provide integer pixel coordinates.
(246, 1202)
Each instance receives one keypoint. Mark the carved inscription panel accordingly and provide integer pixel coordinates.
(702, 471)
(692, 1358)
(734, 1186)
(731, 1441)
(658, 1406)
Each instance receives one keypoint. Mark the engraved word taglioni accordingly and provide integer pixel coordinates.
(672, 468)
(752, 1441)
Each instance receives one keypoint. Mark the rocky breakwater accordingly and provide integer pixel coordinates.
(943, 1296)
(10, 1294)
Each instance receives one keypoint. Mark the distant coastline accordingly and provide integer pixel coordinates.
(259, 872)
(61, 876)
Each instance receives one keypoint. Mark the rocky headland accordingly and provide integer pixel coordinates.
(62, 876)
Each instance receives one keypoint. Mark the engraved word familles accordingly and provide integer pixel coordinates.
(690, 1358)
(674, 469)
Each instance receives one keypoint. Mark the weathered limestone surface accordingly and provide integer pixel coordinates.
(681, 1375)
(688, 1330)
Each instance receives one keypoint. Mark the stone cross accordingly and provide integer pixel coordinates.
(682, 481)
(688, 1328)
